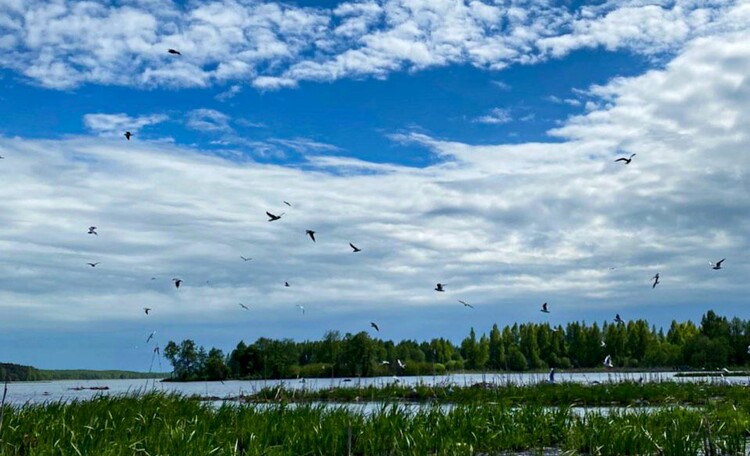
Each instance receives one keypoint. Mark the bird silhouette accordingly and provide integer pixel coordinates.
(618, 320)
(92, 230)
(245, 259)
(716, 266)
(286, 284)
(150, 336)
(608, 362)
(372, 323)
(544, 308)
(354, 248)
(244, 306)
(310, 233)
(655, 278)
(147, 310)
(287, 203)
(273, 218)
(625, 160)
(128, 135)
(439, 287)
(2, 158)
(177, 282)
(174, 51)
(93, 265)
(466, 304)
(400, 364)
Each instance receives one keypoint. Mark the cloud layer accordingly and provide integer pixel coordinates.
(66, 43)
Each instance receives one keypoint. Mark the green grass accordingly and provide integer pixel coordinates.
(156, 424)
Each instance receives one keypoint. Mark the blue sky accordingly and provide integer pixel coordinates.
(464, 142)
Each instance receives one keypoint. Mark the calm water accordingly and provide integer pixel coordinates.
(36, 392)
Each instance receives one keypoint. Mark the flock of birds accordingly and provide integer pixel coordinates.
(439, 287)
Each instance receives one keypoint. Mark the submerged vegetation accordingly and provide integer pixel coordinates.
(158, 424)
(716, 342)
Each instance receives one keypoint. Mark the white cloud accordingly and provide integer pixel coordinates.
(230, 93)
(208, 120)
(66, 43)
(117, 124)
(496, 116)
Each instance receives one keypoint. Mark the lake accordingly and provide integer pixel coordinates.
(63, 390)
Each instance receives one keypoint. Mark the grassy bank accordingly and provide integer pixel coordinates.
(170, 425)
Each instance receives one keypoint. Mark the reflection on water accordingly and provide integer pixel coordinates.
(66, 390)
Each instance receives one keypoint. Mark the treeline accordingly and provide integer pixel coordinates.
(18, 373)
(716, 342)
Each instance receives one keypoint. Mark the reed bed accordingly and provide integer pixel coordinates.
(158, 424)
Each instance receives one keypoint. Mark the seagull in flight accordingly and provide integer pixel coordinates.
(400, 364)
(385, 363)
(92, 230)
(286, 284)
(128, 135)
(147, 310)
(372, 323)
(287, 203)
(244, 306)
(245, 259)
(150, 336)
(93, 265)
(302, 308)
(608, 362)
(544, 308)
(602, 343)
(310, 233)
(716, 266)
(354, 248)
(439, 287)
(466, 304)
(273, 218)
(174, 51)
(618, 320)
(177, 282)
(656, 280)
(625, 160)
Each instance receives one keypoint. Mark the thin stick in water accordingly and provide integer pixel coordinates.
(2, 405)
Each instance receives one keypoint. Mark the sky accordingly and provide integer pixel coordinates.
(466, 142)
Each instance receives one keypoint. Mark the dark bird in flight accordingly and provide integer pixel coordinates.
(287, 203)
(716, 266)
(544, 308)
(625, 160)
(128, 135)
(174, 51)
(93, 265)
(372, 323)
(286, 284)
(439, 287)
(2, 158)
(150, 336)
(244, 306)
(92, 230)
(655, 278)
(245, 259)
(273, 218)
(147, 310)
(618, 319)
(177, 282)
(354, 248)
(310, 233)
(466, 304)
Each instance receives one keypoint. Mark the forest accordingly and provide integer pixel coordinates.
(716, 342)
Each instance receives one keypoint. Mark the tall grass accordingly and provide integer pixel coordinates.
(156, 424)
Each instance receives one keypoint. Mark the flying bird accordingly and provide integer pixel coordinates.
(92, 230)
(286, 284)
(177, 282)
(656, 280)
(608, 362)
(372, 323)
(150, 336)
(174, 51)
(287, 203)
(602, 343)
(385, 363)
(302, 308)
(625, 160)
(93, 265)
(310, 233)
(147, 310)
(544, 308)
(354, 248)
(618, 319)
(466, 304)
(273, 218)
(128, 135)
(244, 306)
(245, 259)
(2, 158)
(400, 364)
(716, 266)
(439, 287)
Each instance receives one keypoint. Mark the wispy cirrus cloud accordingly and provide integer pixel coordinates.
(496, 116)
(117, 124)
